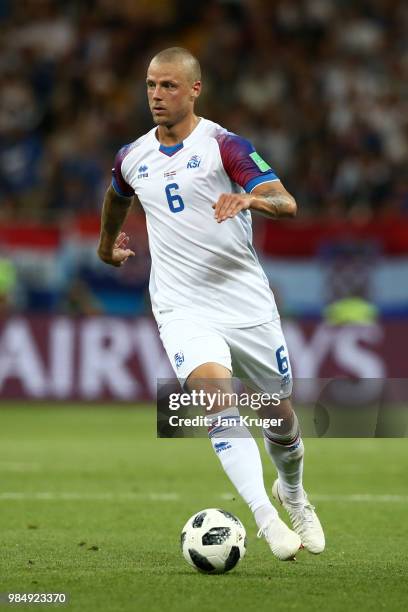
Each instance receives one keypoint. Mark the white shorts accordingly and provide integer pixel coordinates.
(257, 355)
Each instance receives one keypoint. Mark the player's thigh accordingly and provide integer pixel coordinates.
(190, 344)
(260, 358)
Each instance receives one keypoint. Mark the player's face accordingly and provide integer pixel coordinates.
(170, 92)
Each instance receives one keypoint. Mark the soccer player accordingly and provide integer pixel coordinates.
(216, 314)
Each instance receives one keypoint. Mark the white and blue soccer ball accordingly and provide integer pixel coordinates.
(213, 541)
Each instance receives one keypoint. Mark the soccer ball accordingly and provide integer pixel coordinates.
(213, 541)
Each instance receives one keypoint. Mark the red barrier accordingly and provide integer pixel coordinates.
(304, 239)
(294, 238)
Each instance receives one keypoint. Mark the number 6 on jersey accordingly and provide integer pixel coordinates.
(174, 200)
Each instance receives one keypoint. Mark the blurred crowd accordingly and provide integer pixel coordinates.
(319, 86)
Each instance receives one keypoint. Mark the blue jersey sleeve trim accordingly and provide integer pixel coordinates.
(258, 180)
(118, 190)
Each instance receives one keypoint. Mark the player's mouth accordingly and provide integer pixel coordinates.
(159, 109)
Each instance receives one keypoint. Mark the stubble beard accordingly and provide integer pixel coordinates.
(169, 122)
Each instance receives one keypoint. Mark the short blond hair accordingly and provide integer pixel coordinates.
(180, 54)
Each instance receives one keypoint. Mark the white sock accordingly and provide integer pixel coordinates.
(286, 452)
(240, 458)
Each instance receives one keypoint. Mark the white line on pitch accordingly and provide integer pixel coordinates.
(172, 496)
(71, 496)
(361, 497)
(357, 497)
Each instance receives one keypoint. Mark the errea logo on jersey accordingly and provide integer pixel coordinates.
(194, 161)
(142, 171)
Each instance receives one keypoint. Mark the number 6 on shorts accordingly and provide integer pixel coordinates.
(282, 360)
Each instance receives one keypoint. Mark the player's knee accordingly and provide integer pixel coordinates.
(214, 395)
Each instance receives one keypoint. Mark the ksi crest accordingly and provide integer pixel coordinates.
(194, 161)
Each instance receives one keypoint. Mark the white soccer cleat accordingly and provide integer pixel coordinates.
(304, 521)
(284, 542)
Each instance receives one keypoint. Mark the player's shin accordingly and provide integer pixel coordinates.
(240, 458)
(287, 451)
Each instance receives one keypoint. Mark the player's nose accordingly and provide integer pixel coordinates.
(156, 94)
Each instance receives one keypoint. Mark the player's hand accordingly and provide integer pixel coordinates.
(230, 204)
(120, 254)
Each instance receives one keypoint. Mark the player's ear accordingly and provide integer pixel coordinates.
(196, 89)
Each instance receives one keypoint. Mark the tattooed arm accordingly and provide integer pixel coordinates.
(270, 199)
(112, 243)
(273, 200)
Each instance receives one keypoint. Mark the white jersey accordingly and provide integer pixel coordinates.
(201, 269)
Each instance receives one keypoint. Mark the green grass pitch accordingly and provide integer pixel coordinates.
(92, 504)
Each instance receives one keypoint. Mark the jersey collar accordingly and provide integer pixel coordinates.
(173, 149)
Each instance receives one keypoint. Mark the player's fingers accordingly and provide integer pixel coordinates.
(120, 240)
(123, 252)
(229, 209)
(235, 209)
(218, 205)
(232, 208)
(223, 214)
(120, 255)
(126, 254)
(221, 206)
(222, 199)
(236, 206)
(129, 253)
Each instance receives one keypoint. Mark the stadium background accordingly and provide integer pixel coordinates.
(320, 87)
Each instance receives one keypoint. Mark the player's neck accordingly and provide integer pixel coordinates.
(171, 135)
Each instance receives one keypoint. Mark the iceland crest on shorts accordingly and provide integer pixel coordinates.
(179, 359)
(194, 161)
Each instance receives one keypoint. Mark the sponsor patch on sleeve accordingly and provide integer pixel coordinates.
(261, 163)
